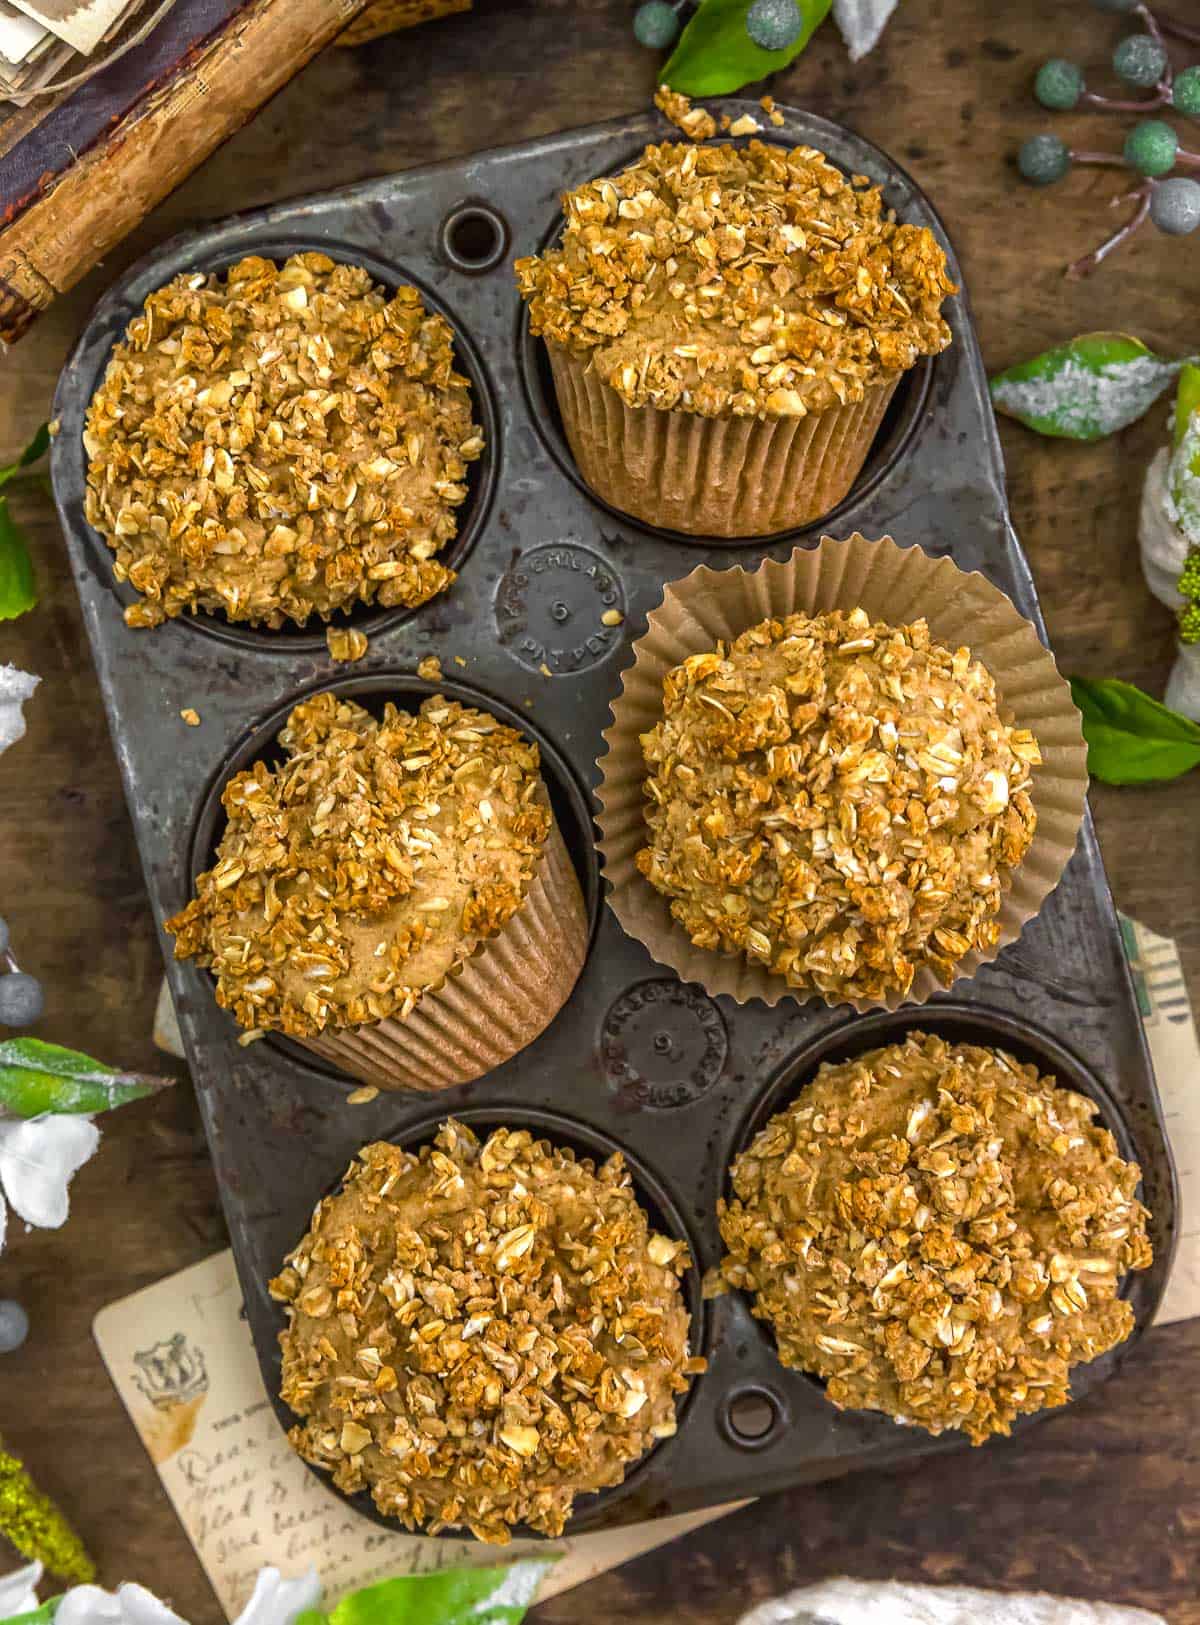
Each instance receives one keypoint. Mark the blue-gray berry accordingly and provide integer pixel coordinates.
(1185, 93)
(14, 1325)
(1059, 84)
(774, 24)
(1043, 159)
(1175, 205)
(655, 24)
(1140, 60)
(4, 938)
(1151, 147)
(21, 1000)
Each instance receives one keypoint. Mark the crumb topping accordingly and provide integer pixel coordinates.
(477, 1334)
(838, 800)
(277, 442)
(752, 281)
(939, 1232)
(373, 860)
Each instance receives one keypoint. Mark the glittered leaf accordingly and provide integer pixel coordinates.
(1085, 389)
(1182, 503)
(17, 590)
(716, 55)
(466, 1596)
(36, 1078)
(1187, 398)
(1131, 738)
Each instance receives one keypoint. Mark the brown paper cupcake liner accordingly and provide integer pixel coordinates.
(894, 584)
(731, 476)
(493, 1005)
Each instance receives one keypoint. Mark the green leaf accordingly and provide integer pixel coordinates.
(1085, 389)
(1131, 738)
(1187, 398)
(715, 55)
(18, 591)
(466, 1596)
(36, 448)
(40, 1616)
(36, 1077)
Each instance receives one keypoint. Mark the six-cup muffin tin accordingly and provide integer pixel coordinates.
(637, 1060)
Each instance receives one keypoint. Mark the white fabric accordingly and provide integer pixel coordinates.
(1164, 547)
(39, 1156)
(15, 688)
(887, 1602)
(861, 23)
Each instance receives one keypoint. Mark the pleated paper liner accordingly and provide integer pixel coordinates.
(726, 476)
(496, 1002)
(893, 584)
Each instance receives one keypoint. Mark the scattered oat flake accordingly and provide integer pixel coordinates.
(251, 1036)
(459, 661)
(746, 125)
(190, 716)
(611, 617)
(676, 107)
(430, 669)
(545, 670)
(346, 642)
(769, 108)
(362, 1097)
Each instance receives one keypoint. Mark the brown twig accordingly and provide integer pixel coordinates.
(1085, 266)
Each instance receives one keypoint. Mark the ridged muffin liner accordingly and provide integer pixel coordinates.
(893, 584)
(488, 1008)
(722, 476)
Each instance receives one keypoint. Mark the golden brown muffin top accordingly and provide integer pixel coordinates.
(838, 800)
(939, 1232)
(748, 280)
(277, 442)
(367, 865)
(477, 1334)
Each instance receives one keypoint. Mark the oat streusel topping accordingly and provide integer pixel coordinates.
(755, 281)
(278, 442)
(370, 862)
(477, 1334)
(838, 800)
(939, 1232)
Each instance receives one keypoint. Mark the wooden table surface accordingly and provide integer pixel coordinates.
(1102, 1501)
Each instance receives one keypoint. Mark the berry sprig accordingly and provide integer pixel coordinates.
(772, 25)
(1189, 587)
(1152, 149)
(21, 997)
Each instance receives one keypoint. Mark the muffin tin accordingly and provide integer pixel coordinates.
(637, 1060)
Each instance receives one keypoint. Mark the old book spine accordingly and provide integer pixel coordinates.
(386, 16)
(99, 200)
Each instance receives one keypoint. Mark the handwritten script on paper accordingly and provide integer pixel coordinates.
(181, 1358)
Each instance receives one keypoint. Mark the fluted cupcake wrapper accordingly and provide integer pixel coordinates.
(492, 1006)
(724, 476)
(893, 584)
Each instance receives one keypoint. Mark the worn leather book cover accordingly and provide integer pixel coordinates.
(75, 179)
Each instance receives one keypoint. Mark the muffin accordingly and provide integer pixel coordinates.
(277, 442)
(938, 1232)
(478, 1334)
(726, 326)
(393, 893)
(837, 800)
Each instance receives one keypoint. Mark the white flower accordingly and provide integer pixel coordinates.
(18, 1592)
(39, 1156)
(15, 688)
(275, 1601)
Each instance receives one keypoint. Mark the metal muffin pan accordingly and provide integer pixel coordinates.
(636, 1059)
